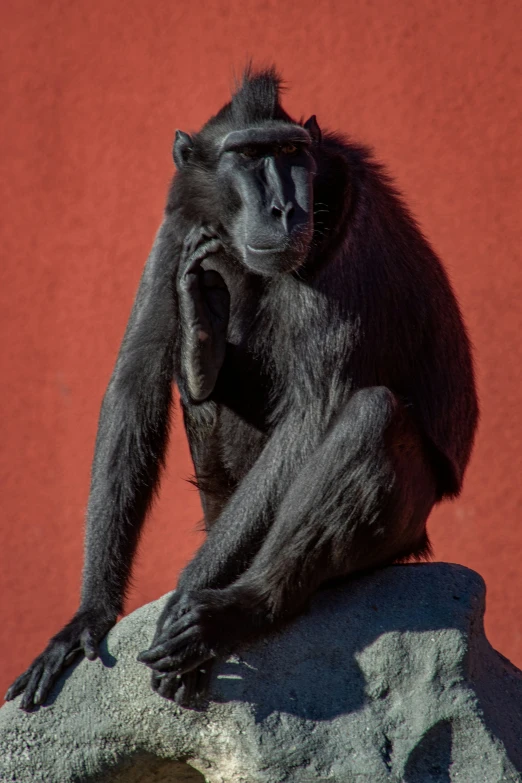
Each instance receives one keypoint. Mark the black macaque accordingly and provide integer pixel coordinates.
(326, 384)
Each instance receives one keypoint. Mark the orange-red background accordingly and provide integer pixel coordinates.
(90, 95)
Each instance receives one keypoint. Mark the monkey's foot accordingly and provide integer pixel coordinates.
(188, 690)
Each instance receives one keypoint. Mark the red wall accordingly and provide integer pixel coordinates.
(91, 93)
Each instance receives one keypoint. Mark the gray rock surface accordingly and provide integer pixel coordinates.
(387, 678)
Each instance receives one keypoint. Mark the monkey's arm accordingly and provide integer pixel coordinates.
(204, 306)
(132, 433)
(133, 427)
(130, 445)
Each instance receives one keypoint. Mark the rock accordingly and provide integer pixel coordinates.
(386, 678)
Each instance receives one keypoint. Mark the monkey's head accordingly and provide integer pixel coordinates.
(249, 173)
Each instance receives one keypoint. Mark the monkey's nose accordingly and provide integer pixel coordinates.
(283, 210)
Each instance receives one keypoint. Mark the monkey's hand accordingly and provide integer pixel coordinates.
(81, 636)
(187, 689)
(193, 629)
(204, 302)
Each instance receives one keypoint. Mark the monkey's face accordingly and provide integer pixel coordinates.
(265, 181)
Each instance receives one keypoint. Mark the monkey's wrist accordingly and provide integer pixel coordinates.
(97, 609)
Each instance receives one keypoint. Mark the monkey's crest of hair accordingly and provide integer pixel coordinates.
(257, 97)
(256, 100)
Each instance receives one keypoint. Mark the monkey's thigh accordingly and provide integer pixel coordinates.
(362, 499)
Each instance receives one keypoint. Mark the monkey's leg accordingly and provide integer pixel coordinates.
(361, 500)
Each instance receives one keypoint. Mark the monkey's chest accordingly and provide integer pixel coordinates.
(243, 390)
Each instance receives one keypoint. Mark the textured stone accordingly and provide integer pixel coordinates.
(387, 678)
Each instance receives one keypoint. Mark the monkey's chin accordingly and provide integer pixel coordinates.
(271, 261)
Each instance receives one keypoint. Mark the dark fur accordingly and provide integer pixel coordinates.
(344, 408)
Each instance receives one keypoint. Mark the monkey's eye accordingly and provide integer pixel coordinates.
(289, 149)
(250, 152)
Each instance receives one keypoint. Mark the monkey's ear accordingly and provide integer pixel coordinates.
(182, 148)
(312, 126)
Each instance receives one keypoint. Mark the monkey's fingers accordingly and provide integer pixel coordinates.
(156, 678)
(166, 685)
(186, 662)
(177, 606)
(35, 683)
(167, 637)
(152, 654)
(193, 687)
(18, 686)
(186, 652)
(44, 672)
(207, 249)
(72, 656)
(160, 658)
(28, 699)
(44, 686)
